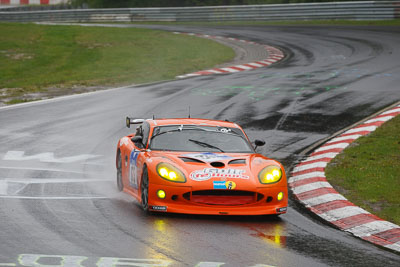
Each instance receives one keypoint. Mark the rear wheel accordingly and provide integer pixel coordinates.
(120, 185)
(144, 189)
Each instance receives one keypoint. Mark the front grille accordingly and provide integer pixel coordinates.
(223, 197)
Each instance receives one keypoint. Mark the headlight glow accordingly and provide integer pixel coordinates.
(270, 174)
(280, 196)
(170, 173)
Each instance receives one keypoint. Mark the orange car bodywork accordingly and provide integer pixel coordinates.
(245, 196)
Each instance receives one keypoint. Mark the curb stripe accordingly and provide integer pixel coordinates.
(371, 228)
(323, 199)
(343, 138)
(308, 171)
(328, 155)
(334, 150)
(321, 163)
(308, 181)
(310, 187)
(274, 55)
(342, 213)
(295, 178)
(355, 220)
(336, 204)
(316, 193)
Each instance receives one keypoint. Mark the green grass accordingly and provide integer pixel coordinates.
(394, 22)
(36, 57)
(368, 171)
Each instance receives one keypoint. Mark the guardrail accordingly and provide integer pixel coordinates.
(368, 10)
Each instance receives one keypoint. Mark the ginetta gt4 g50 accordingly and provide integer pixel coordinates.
(198, 166)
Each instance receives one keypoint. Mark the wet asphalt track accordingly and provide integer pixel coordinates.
(59, 197)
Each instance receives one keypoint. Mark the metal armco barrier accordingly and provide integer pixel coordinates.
(368, 10)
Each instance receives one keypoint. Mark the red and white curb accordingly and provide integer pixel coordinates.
(274, 55)
(310, 187)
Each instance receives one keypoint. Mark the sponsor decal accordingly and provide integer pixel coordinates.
(159, 208)
(207, 156)
(224, 185)
(133, 179)
(208, 173)
(124, 141)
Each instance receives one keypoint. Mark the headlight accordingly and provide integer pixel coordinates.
(170, 173)
(270, 174)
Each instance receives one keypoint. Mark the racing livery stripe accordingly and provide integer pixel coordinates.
(310, 187)
(274, 55)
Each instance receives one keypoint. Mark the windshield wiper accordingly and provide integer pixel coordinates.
(205, 144)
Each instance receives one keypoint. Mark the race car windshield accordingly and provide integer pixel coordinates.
(199, 139)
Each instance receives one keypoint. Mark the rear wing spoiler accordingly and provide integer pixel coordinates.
(130, 121)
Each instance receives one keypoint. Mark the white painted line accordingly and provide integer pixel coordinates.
(361, 129)
(391, 111)
(47, 157)
(329, 155)
(51, 181)
(54, 198)
(371, 228)
(306, 176)
(310, 186)
(340, 145)
(322, 199)
(343, 138)
(61, 98)
(386, 118)
(3, 187)
(39, 169)
(320, 164)
(341, 213)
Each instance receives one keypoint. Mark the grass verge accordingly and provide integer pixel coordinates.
(368, 172)
(34, 58)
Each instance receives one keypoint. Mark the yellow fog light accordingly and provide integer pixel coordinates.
(280, 196)
(270, 174)
(161, 194)
(171, 173)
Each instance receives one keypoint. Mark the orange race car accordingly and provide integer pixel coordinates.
(198, 166)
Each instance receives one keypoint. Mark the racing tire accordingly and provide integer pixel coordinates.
(120, 184)
(144, 190)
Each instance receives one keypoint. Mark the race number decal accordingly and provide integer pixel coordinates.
(133, 180)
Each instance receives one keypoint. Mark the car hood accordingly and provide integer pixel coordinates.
(203, 167)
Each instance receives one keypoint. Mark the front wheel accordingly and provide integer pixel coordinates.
(144, 189)
(120, 185)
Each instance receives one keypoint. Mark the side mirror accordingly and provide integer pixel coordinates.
(258, 143)
(138, 140)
